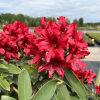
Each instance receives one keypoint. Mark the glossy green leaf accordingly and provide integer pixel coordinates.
(74, 98)
(10, 68)
(7, 98)
(76, 84)
(30, 68)
(13, 79)
(98, 79)
(4, 83)
(24, 86)
(62, 92)
(0, 88)
(4, 74)
(55, 97)
(3, 66)
(47, 91)
(98, 98)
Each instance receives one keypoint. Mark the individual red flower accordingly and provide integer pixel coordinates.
(51, 42)
(77, 51)
(55, 64)
(9, 50)
(97, 88)
(89, 76)
(74, 58)
(66, 30)
(80, 74)
(35, 53)
(9, 38)
(15, 32)
(62, 23)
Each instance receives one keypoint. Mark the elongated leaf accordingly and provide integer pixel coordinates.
(3, 66)
(47, 91)
(30, 68)
(62, 92)
(24, 86)
(7, 98)
(74, 98)
(4, 83)
(76, 84)
(55, 97)
(4, 74)
(0, 88)
(98, 78)
(10, 68)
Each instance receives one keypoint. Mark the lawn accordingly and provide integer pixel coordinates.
(95, 36)
(88, 40)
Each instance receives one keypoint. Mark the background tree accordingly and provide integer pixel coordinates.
(6, 22)
(75, 21)
(68, 20)
(80, 21)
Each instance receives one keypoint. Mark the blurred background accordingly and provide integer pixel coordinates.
(85, 13)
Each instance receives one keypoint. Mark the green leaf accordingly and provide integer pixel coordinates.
(47, 91)
(3, 66)
(10, 68)
(0, 88)
(24, 86)
(76, 84)
(55, 97)
(30, 68)
(74, 98)
(4, 83)
(98, 78)
(62, 92)
(7, 98)
(13, 79)
(4, 74)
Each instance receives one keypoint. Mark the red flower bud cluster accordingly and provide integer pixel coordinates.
(60, 45)
(85, 76)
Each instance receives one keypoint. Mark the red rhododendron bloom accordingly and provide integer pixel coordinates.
(86, 76)
(16, 31)
(89, 76)
(55, 64)
(74, 58)
(97, 88)
(9, 50)
(52, 41)
(11, 35)
(54, 38)
(80, 74)
(55, 43)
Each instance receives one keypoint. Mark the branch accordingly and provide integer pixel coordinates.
(14, 88)
(35, 91)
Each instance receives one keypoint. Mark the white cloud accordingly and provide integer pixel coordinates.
(89, 10)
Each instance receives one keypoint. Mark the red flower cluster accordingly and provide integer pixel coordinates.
(85, 76)
(9, 38)
(97, 89)
(59, 41)
(60, 45)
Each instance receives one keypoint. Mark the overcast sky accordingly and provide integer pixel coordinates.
(88, 9)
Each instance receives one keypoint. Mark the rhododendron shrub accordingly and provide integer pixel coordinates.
(46, 61)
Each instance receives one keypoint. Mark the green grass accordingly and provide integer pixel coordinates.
(88, 28)
(87, 39)
(1, 31)
(95, 36)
